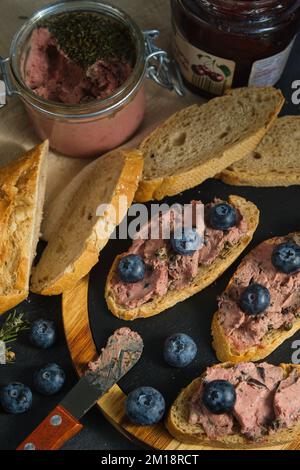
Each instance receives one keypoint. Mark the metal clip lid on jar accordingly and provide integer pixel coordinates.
(98, 125)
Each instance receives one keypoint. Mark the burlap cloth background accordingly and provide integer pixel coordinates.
(16, 133)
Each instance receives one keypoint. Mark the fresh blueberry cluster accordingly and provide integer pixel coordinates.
(16, 398)
(145, 406)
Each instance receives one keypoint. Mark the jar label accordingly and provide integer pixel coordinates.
(203, 70)
(2, 94)
(267, 72)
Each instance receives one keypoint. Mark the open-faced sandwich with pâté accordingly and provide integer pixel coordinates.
(260, 307)
(239, 406)
(156, 274)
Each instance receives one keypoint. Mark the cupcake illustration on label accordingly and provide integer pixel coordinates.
(203, 70)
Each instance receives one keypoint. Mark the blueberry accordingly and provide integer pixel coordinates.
(179, 350)
(49, 379)
(42, 334)
(219, 396)
(286, 258)
(187, 242)
(255, 299)
(15, 398)
(145, 406)
(222, 216)
(131, 269)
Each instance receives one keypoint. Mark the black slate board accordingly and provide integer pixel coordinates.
(280, 214)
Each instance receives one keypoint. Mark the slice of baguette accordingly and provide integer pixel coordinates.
(271, 341)
(56, 209)
(179, 427)
(206, 274)
(200, 141)
(73, 248)
(275, 162)
(22, 193)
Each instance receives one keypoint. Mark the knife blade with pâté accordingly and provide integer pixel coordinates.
(123, 350)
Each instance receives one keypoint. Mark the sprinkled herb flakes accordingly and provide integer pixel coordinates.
(88, 37)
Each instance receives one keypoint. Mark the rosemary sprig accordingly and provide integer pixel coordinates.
(12, 326)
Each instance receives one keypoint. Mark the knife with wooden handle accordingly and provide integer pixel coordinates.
(123, 350)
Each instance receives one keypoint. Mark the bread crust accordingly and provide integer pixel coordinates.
(263, 180)
(126, 186)
(19, 182)
(158, 188)
(10, 301)
(178, 426)
(206, 274)
(271, 341)
(274, 166)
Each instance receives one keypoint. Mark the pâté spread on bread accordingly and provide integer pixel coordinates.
(255, 400)
(151, 267)
(264, 294)
(77, 57)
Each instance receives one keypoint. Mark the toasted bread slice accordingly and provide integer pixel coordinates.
(179, 427)
(206, 274)
(22, 193)
(200, 141)
(271, 341)
(73, 248)
(275, 162)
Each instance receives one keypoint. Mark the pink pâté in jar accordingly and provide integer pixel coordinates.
(79, 67)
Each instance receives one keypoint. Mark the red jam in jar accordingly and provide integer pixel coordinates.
(220, 44)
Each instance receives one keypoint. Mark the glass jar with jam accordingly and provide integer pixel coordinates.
(220, 44)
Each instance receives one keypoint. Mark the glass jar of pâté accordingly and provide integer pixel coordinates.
(79, 68)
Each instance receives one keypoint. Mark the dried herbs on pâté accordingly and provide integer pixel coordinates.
(86, 37)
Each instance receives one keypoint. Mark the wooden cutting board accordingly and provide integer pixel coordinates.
(83, 349)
